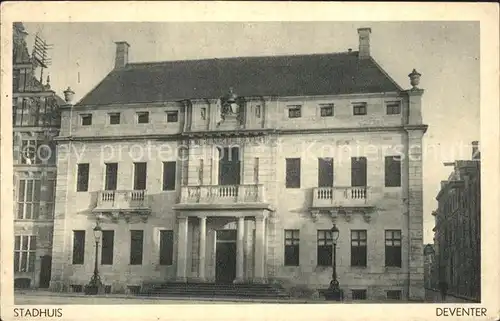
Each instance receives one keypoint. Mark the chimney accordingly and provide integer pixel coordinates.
(475, 150)
(364, 42)
(121, 58)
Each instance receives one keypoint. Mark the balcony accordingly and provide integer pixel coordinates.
(333, 197)
(222, 196)
(122, 203)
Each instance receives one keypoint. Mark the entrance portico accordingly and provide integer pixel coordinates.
(224, 246)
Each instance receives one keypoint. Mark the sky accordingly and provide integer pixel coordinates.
(445, 53)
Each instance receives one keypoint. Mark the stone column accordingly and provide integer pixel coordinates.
(240, 250)
(203, 248)
(182, 249)
(260, 230)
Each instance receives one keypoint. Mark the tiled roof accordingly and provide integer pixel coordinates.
(297, 75)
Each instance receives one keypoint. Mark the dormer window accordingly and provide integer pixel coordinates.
(143, 117)
(86, 119)
(172, 116)
(359, 109)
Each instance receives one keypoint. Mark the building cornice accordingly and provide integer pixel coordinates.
(28, 94)
(421, 127)
(241, 133)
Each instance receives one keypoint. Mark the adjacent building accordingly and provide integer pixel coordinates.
(35, 121)
(234, 169)
(457, 233)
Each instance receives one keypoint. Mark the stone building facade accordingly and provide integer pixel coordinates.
(234, 169)
(457, 233)
(35, 123)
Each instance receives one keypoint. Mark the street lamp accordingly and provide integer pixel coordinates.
(334, 293)
(95, 283)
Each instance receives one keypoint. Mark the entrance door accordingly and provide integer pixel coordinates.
(225, 256)
(45, 271)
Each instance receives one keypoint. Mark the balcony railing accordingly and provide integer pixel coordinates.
(341, 196)
(222, 194)
(122, 200)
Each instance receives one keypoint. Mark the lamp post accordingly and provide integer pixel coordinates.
(334, 293)
(95, 284)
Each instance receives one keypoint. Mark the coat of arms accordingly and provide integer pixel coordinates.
(230, 105)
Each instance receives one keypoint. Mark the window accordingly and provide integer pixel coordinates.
(169, 169)
(114, 118)
(50, 198)
(166, 247)
(140, 176)
(358, 294)
(392, 171)
(359, 109)
(172, 116)
(292, 241)
(393, 108)
(107, 247)
(325, 172)
(76, 288)
(143, 117)
(28, 199)
(358, 248)
(78, 247)
(294, 111)
(86, 119)
(325, 242)
(393, 248)
(136, 238)
(394, 294)
(292, 173)
(29, 152)
(82, 180)
(326, 110)
(16, 77)
(24, 253)
(203, 113)
(358, 171)
(110, 180)
(257, 111)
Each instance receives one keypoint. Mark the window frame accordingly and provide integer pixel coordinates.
(324, 244)
(76, 247)
(24, 258)
(138, 117)
(79, 178)
(358, 238)
(170, 113)
(165, 185)
(83, 117)
(294, 111)
(398, 297)
(359, 109)
(136, 179)
(110, 248)
(323, 107)
(167, 260)
(389, 171)
(106, 182)
(389, 259)
(354, 180)
(29, 198)
(293, 177)
(110, 117)
(136, 258)
(363, 292)
(291, 236)
(392, 106)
